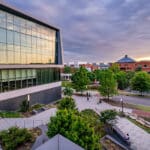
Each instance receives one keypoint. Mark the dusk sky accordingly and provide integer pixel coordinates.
(96, 30)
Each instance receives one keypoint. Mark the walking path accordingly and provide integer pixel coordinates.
(140, 140)
(82, 104)
(34, 121)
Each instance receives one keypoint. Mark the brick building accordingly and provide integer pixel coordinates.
(128, 64)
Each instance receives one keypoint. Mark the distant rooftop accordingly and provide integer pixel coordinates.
(126, 59)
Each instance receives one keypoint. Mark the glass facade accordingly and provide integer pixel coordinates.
(25, 42)
(12, 79)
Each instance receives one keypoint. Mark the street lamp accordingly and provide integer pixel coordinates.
(121, 100)
(28, 99)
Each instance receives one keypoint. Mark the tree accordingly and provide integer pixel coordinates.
(91, 76)
(108, 115)
(97, 74)
(67, 103)
(68, 91)
(129, 76)
(121, 80)
(80, 79)
(138, 68)
(108, 84)
(67, 69)
(115, 68)
(73, 127)
(141, 82)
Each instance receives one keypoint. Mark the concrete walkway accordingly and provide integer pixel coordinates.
(82, 104)
(140, 140)
(31, 122)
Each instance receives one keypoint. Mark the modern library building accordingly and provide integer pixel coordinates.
(30, 59)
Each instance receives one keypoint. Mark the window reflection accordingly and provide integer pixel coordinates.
(34, 44)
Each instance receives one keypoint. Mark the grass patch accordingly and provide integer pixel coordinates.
(9, 114)
(132, 94)
(132, 106)
(37, 106)
(141, 107)
(66, 84)
(147, 129)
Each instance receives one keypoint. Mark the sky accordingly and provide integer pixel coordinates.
(96, 30)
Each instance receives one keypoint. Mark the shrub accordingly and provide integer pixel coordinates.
(68, 91)
(67, 103)
(108, 115)
(74, 127)
(14, 137)
(24, 107)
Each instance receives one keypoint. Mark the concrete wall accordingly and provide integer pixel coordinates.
(44, 97)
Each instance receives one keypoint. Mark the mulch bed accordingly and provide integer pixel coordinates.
(141, 113)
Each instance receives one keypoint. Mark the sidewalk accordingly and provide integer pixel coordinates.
(82, 104)
(140, 140)
(31, 122)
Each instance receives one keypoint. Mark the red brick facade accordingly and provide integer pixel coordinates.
(132, 66)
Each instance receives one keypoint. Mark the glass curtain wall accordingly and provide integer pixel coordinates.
(25, 42)
(13, 79)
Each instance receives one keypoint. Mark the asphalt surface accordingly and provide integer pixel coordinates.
(133, 100)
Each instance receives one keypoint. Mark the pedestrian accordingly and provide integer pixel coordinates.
(127, 137)
(88, 98)
(87, 95)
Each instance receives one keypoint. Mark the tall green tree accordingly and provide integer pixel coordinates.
(67, 69)
(91, 76)
(74, 127)
(114, 68)
(108, 84)
(129, 76)
(141, 82)
(97, 74)
(80, 79)
(121, 80)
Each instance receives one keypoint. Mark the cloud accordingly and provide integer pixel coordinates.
(97, 30)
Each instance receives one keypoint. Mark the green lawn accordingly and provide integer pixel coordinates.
(139, 125)
(66, 84)
(142, 107)
(9, 114)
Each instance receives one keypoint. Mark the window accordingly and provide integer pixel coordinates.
(10, 37)
(2, 35)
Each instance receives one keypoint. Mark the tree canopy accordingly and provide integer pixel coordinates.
(108, 84)
(108, 115)
(73, 126)
(122, 81)
(80, 79)
(67, 69)
(67, 103)
(115, 68)
(141, 82)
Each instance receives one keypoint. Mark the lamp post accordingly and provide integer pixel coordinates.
(121, 100)
(28, 99)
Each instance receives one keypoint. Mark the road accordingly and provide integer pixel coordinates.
(133, 100)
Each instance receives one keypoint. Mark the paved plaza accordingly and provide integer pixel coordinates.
(140, 140)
